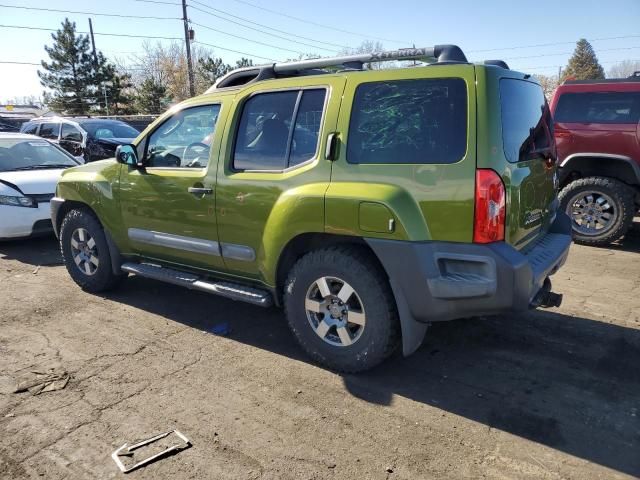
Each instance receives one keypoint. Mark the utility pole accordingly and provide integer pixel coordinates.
(559, 74)
(93, 45)
(187, 42)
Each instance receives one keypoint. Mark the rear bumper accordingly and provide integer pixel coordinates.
(437, 281)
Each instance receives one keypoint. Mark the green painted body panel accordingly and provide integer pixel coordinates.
(264, 211)
(376, 218)
(430, 202)
(96, 185)
(529, 185)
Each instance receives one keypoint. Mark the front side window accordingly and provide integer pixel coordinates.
(70, 133)
(50, 130)
(409, 122)
(183, 140)
(526, 120)
(279, 130)
(599, 107)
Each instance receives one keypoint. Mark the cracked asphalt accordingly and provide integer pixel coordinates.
(543, 395)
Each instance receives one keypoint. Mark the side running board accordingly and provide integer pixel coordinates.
(234, 291)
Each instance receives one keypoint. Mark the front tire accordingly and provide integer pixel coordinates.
(341, 310)
(601, 209)
(86, 253)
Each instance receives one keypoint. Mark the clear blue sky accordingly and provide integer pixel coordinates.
(477, 26)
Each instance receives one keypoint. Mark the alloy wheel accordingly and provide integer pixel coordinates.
(592, 213)
(335, 311)
(84, 251)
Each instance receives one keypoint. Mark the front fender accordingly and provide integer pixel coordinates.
(95, 185)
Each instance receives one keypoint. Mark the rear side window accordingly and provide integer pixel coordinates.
(30, 128)
(526, 120)
(279, 130)
(599, 107)
(50, 130)
(409, 121)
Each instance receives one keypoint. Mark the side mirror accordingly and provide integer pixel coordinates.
(128, 155)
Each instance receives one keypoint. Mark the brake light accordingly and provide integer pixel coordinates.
(490, 207)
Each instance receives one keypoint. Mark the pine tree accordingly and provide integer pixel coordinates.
(583, 64)
(151, 97)
(208, 70)
(70, 75)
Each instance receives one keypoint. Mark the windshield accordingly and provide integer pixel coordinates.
(110, 130)
(23, 154)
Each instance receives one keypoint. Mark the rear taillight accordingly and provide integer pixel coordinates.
(491, 208)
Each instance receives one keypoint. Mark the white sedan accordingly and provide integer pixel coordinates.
(29, 170)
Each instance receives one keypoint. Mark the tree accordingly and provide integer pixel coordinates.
(151, 97)
(208, 70)
(583, 64)
(549, 85)
(70, 75)
(244, 62)
(624, 69)
(369, 46)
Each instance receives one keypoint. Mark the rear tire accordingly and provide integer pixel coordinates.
(341, 309)
(601, 209)
(86, 253)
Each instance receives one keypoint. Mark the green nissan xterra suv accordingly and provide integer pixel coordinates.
(368, 203)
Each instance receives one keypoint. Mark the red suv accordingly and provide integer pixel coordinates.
(598, 141)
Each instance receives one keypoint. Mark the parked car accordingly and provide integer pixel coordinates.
(368, 203)
(29, 170)
(89, 139)
(597, 133)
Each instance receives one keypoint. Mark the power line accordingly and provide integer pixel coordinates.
(234, 51)
(289, 34)
(89, 13)
(569, 53)
(158, 2)
(247, 39)
(25, 27)
(18, 63)
(319, 24)
(551, 44)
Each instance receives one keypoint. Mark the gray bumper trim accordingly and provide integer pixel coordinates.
(443, 280)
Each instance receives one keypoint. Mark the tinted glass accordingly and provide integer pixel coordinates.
(50, 130)
(110, 129)
(308, 119)
(17, 154)
(526, 120)
(409, 121)
(184, 140)
(70, 133)
(263, 133)
(598, 107)
(30, 128)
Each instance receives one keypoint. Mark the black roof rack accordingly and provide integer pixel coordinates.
(497, 63)
(441, 54)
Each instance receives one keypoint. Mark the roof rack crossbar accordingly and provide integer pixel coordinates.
(436, 54)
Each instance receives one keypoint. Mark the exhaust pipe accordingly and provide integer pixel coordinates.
(545, 298)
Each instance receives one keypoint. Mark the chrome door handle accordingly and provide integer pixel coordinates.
(200, 190)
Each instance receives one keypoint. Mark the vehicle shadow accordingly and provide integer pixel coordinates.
(43, 251)
(567, 382)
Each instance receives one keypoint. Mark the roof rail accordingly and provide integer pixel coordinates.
(497, 63)
(436, 54)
